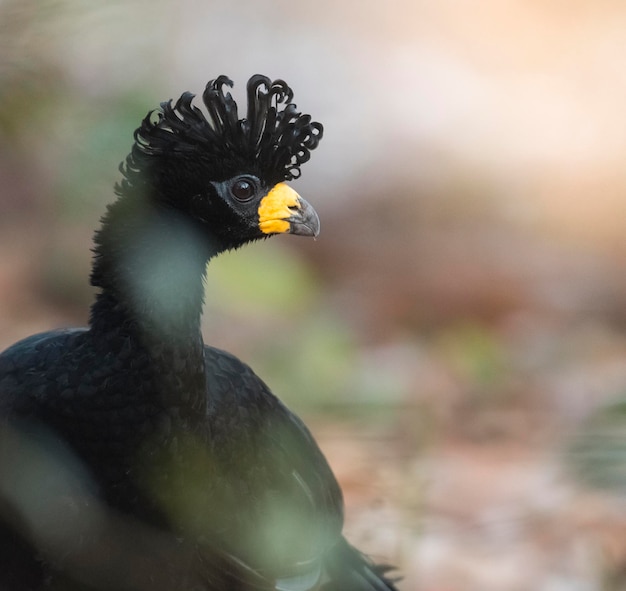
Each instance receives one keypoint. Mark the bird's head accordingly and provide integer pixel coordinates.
(225, 172)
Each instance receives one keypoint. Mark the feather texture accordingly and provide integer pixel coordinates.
(273, 134)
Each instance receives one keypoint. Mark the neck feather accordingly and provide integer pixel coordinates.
(150, 265)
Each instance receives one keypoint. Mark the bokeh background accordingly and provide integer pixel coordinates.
(456, 337)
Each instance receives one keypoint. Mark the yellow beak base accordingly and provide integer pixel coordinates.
(283, 211)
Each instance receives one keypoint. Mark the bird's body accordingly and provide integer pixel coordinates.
(133, 429)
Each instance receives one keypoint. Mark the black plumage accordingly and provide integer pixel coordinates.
(134, 457)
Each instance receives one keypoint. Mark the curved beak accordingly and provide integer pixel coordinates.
(283, 211)
(304, 221)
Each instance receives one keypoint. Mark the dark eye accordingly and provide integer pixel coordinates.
(243, 190)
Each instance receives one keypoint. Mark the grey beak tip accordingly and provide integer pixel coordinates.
(305, 222)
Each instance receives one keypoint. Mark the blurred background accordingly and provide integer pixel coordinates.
(456, 337)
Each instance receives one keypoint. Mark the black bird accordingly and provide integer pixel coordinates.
(133, 456)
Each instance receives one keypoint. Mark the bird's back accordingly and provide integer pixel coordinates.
(33, 368)
(250, 476)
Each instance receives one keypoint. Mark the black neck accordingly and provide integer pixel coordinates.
(152, 259)
(149, 265)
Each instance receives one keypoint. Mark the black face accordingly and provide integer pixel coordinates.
(237, 210)
(228, 210)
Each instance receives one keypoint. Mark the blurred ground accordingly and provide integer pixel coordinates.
(459, 327)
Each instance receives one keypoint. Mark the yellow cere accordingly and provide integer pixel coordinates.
(274, 209)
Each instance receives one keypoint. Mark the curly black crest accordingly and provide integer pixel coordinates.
(273, 137)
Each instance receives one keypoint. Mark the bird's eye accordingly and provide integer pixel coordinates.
(243, 190)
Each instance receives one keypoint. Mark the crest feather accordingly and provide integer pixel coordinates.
(273, 138)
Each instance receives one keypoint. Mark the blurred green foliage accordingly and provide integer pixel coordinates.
(310, 356)
(262, 278)
(314, 365)
(597, 451)
(96, 140)
(304, 353)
